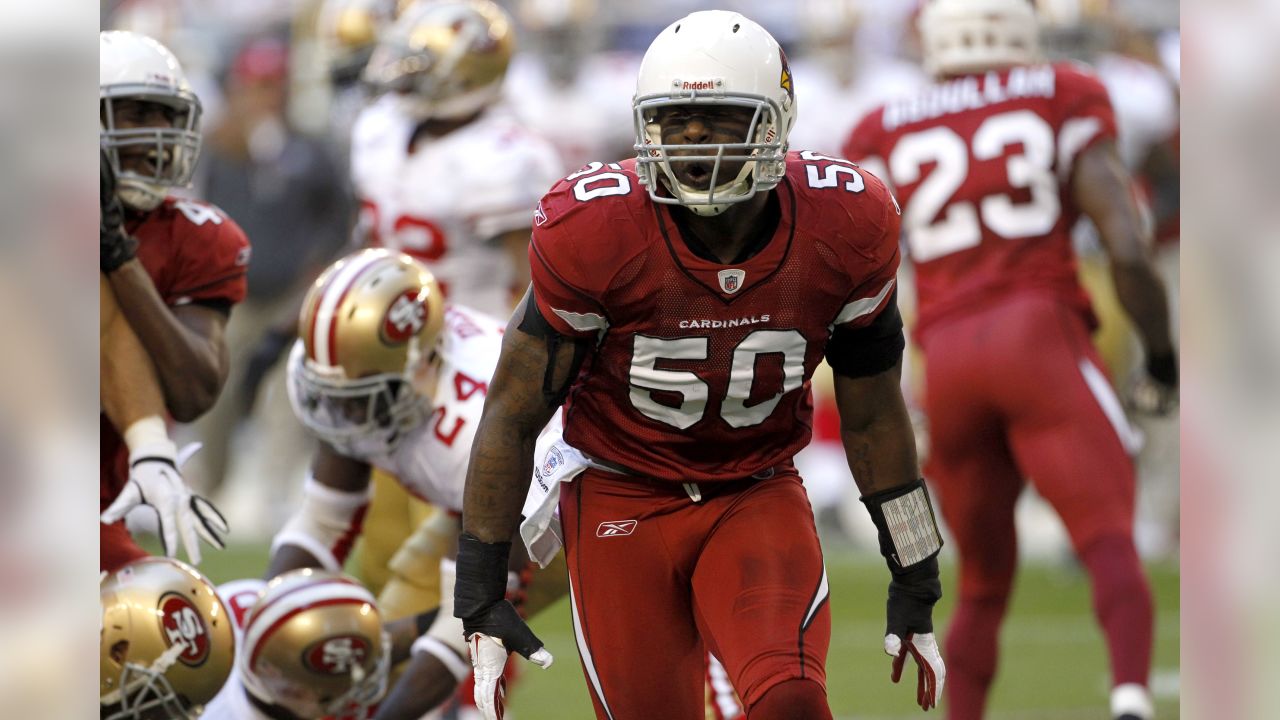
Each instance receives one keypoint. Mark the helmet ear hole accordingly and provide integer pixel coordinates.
(120, 651)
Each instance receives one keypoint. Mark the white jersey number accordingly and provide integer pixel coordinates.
(592, 184)
(647, 378)
(830, 176)
(935, 225)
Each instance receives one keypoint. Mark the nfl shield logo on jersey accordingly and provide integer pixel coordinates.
(731, 280)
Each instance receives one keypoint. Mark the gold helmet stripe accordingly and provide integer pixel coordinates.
(324, 327)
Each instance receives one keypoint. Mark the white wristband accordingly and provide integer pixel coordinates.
(149, 435)
(445, 654)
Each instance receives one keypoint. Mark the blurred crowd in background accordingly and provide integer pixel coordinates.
(280, 84)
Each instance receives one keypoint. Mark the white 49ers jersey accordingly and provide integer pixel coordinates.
(231, 702)
(431, 460)
(445, 199)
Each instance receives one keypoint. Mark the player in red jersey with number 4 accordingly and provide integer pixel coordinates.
(680, 303)
(994, 164)
(176, 267)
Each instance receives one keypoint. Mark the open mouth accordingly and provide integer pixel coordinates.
(145, 162)
(695, 174)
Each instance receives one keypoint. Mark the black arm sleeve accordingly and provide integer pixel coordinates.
(870, 350)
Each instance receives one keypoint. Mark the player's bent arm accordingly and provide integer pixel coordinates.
(322, 531)
(186, 343)
(880, 445)
(532, 374)
(130, 390)
(1103, 189)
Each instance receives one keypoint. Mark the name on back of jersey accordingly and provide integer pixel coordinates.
(971, 93)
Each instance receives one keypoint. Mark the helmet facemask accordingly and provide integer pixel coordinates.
(762, 152)
(361, 416)
(145, 692)
(170, 150)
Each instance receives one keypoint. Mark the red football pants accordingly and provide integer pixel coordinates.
(655, 578)
(1017, 392)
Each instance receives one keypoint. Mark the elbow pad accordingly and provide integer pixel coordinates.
(327, 524)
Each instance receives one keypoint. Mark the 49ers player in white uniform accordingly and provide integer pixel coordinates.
(390, 377)
(444, 172)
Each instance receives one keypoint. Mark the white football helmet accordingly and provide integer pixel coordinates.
(136, 67)
(715, 57)
(968, 36)
(314, 645)
(445, 60)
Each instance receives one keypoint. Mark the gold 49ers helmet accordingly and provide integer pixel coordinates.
(167, 641)
(444, 60)
(314, 645)
(368, 329)
(348, 31)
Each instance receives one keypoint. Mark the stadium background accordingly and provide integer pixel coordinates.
(274, 57)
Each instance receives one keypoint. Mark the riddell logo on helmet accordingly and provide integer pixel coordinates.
(182, 625)
(336, 655)
(712, 84)
(405, 318)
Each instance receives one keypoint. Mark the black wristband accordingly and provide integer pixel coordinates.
(481, 575)
(1163, 368)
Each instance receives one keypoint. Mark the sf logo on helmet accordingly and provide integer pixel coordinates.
(337, 655)
(182, 624)
(405, 318)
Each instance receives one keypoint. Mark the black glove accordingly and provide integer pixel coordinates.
(116, 247)
(479, 596)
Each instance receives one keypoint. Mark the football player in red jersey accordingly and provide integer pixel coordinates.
(175, 266)
(993, 165)
(680, 303)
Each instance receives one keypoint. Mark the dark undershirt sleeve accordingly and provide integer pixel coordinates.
(869, 350)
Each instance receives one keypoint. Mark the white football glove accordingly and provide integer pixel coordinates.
(931, 673)
(489, 658)
(154, 480)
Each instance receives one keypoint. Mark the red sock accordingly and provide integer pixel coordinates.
(972, 639)
(1123, 606)
(792, 700)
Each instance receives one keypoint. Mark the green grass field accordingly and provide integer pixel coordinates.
(1053, 660)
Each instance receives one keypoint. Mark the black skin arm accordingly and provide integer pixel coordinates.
(1103, 189)
(186, 343)
(424, 685)
(333, 470)
(515, 411)
(876, 430)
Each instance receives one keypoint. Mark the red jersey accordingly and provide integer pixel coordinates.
(982, 165)
(193, 253)
(701, 370)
